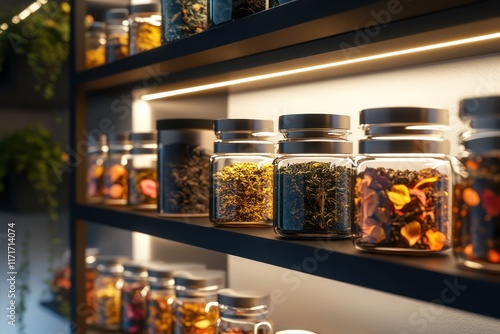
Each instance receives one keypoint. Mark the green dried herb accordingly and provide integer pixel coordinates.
(242, 192)
(182, 18)
(314, 198)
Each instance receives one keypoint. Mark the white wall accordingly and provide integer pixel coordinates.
(331, 307)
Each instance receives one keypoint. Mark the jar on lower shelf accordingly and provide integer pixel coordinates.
(403, 185)
(195, 306)
(243, 312)
(108, 285)
(183, 18)
(222, 11)
(115, 169)
(313, 177)
(133, 298)
(184, 150)
(477, 187)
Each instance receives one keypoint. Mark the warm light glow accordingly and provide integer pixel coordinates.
(24, 14)
(16, 19)
(34, 7)
(4, 26)
(154, 96)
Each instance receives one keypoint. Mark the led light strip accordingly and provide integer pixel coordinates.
(154, 96)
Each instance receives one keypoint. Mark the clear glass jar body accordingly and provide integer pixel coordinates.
(95, 174)
(108, 287)
(116, 178)
(117, 34)
(243, 320)
(477, 212)
(90, 295)
(182, 18)
(184, 167)
(159, 302)
(95, 45)
(241, 189)
(222, 11)
(403, 203)
(313, 195)
(145, 28)
(195, 314)
(142, 184)
(133, 303)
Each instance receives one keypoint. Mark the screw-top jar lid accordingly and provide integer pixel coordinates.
(244, 147)
(117, 14)
(110, 264)
(242, 128)
(143, 137)
(154, 7)
(314, 121)
(243, 298)
(315, 146)
(97, 26)
(184, 123)
(135, 269)
(197, 279)
(397, 116)
(369, 146)
(481, 109)
(119, 138)
(168, 270)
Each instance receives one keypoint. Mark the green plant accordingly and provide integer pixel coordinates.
(42, 39)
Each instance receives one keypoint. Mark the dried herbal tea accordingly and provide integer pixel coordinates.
(314, 198)
(227, 10)
(116, 47)
(194, 318)
(242, 192)
(182, 18)
(248, 7)
(133, 306)
(142, 187)
(115, 182)
(95, 181)
(108, 301)
(159, 313)
(405, 209)
(144, 36)
(477, 212)
(186, 181)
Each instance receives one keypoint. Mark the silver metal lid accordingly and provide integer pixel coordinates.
(397, 116)
(116, 14)
(110, 264)
(244, 147)
(199, 278)
(315, 146)
(168, 270)
(314, 121)
(242, 298)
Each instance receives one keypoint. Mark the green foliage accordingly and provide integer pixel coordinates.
(31, 152)
(43, 41)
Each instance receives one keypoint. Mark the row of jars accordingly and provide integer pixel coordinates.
(403, 193)
(160, 298)
(144, 26)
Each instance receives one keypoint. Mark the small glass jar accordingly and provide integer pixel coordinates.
(96, 157)
(222, 11)
(243, 312)
(116, 34)
(195, 306)
(108, 285)
(241, 173)
(182, 18)
(145, 27)
(313, 177)
(161, 296)
(184, 150)
(115, 169)
(477, 187)
(95, 45)
(90, 289)
(141, 168)
(133, 298)
(403, 185)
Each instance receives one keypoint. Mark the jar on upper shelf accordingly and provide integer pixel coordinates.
(404, 182)
(115, 169)
(241, 173)
(313, 177)
(133, 297)
(184, 150)
(183, 18)
(116, 34)
(145, 23)
(477, 187)
(95, 45)
(243, 311)
(97, 150)
(221, 11)
(141, 169)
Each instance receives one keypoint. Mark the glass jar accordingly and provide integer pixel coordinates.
(90, 289)
(95, 45)
(477, 187)
(116, 34)
(403, 184)
(141, 168)
(133, 298)
(222, 11)
(313, 177)
(108, 285)
(145, 27)
(243, 312)
(182, 18)
(96, 156)
(161, 296)
(115, 169)
(195, 306)
(184, 150)
(241, 173)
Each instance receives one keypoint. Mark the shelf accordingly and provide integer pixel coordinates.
(305, 33)
(423, 278)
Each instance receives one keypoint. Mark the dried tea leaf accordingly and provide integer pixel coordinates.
(399, 196)
(412, 232)
(435, 240)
